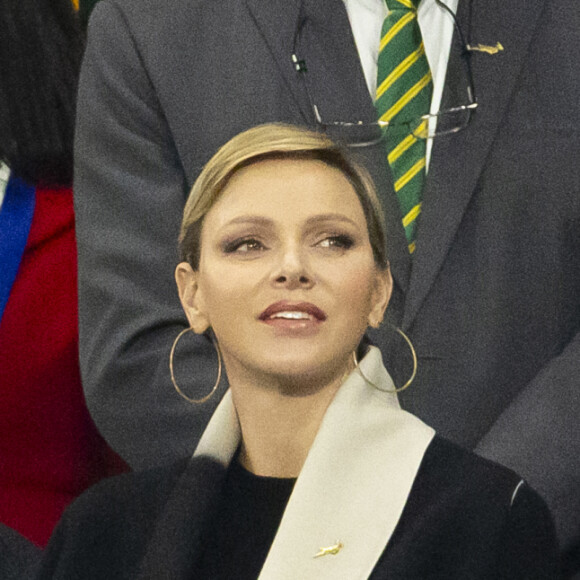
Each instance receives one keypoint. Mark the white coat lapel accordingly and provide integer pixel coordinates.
(222, 435)
(353, 486)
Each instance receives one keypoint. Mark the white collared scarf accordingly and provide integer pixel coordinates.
(353, 486)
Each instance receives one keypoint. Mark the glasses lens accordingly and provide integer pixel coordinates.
(355, 134)
(450, 121)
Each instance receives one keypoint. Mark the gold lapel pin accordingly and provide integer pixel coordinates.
(333, 550)
(485, 48)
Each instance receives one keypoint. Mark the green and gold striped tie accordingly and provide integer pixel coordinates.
(404, 90)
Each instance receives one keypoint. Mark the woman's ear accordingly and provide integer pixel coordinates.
(191, 297)
(382, 290)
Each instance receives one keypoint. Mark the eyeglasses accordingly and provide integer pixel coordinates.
(429, 126)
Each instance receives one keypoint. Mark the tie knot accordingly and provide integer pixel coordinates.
(403, 4)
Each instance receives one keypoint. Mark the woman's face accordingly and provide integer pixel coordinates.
(287, 279)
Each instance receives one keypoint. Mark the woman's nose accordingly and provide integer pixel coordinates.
(292, 271)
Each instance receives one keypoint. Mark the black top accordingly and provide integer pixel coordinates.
(243, 525)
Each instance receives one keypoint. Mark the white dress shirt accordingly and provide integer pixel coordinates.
(366, 20)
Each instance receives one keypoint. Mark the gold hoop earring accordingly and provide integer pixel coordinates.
(413, 374)
(219, 373)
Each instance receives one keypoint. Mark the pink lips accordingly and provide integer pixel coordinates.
(298, 307)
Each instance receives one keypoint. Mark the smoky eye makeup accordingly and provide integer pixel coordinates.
(334, 230)
(339, 241)
(245, 241)
(333, 234)
(245, 236)
(242, 244)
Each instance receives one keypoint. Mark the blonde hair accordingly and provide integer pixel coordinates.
(276, 141)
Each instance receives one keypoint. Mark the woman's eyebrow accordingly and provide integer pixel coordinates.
(313, 220)
(251, 220)
(330, 217)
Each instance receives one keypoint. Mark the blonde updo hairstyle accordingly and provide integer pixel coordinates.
(276, 141)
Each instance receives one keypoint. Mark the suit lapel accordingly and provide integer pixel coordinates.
(279, 22)
(458, 160)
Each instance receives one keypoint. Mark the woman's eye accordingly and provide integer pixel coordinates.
(342, 242)
(243, 246)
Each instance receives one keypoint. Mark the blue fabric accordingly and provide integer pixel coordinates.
(15, 220)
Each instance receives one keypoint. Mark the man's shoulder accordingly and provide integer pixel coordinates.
(160, 29)
(154, 14)
(137, 8)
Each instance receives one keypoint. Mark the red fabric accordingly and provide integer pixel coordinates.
(50, 451)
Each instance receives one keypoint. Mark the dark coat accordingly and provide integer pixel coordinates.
(462, 521)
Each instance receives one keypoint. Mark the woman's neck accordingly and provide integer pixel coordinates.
(278, 429)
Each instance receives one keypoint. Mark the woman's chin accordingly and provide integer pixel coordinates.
(297, 365)
(304, 374)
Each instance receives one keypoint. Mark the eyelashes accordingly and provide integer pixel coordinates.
(243, 246)
(339, 241)
(251, 245)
